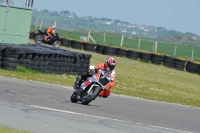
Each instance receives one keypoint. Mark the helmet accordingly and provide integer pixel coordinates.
(110, 63)
(53, 26)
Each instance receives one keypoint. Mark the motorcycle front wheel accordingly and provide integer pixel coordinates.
(89, 96)
(57, 44)
(73, 97)
(38, 39)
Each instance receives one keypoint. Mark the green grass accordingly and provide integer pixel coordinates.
(33, 75)
(9, 130)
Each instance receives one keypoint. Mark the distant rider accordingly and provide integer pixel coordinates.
(49, 32)
(108, 69)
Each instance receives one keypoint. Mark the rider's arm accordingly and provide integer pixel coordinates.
(99, 66)
(50, 30)
(112, 79)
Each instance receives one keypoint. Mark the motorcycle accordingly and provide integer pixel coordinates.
(53, 40)
(91, 87)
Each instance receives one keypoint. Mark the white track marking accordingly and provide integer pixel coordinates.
(75, 113)
(94, 116)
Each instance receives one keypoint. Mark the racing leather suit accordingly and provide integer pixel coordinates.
(48, 32)
(107, 73)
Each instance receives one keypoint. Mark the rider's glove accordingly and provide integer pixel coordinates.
(96, 70)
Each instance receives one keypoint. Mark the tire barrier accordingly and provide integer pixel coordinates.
(133, 54)
(198, 71)
(145, 57)
(156, 59)
(89, 47)
(76, 45)
(99, 48)
(69, 66)
(179, 64)
(43, 58)
(192, 67)
(107, 50)
(32, 35)
(121, 52)
(168, 61)
(65, 42)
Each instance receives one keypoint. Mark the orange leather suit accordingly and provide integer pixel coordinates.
(106, 92)
(49, 31)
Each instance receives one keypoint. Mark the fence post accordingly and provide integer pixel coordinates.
(175, 50)
(88, 36)
(153, 47)
(41, 24)
(139, 43)
(122, 41)
(36, 24)
(104, 39)
(192, 55)
(156, 44)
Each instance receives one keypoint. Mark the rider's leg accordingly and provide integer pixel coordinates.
(84, 76)
(47, 37)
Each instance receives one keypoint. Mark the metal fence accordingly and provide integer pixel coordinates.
(18, 3)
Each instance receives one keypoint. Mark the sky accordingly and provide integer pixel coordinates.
(180, 15)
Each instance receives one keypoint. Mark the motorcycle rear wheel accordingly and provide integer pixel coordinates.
(57, 44)
(38, 39)
(95, 92)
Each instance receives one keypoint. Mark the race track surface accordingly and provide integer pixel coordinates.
(46, 108)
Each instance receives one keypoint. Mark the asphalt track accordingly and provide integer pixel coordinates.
(45, 108)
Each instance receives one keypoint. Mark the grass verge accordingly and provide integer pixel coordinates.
(9, 130)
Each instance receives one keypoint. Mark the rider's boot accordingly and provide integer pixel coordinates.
(78, 83)
(79, 94)
(46, 38)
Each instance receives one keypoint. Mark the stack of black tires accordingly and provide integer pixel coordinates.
(43, 58)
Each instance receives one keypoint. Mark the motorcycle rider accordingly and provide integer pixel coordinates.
(108, 68)
(49, 32)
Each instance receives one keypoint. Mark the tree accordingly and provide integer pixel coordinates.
(105, 19)
(65, 13)
(177, 38)
(74, 14)
(117, 21)
(45, 10)
(55, 13)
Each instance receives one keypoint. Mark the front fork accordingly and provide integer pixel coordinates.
(78, 80)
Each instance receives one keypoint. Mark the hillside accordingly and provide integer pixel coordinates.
(70, 21)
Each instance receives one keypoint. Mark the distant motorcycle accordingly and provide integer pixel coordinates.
(92, 87)
(53, 40)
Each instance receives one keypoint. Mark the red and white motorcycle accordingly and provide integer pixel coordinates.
(92, 86)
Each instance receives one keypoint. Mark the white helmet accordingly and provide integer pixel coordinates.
(53, 26)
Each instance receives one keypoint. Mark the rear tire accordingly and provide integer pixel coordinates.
(38, 39)
(95, 93)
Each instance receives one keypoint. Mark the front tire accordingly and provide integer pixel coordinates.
(56, 44)
(93, 94)
(38, 39)
(73, 97)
